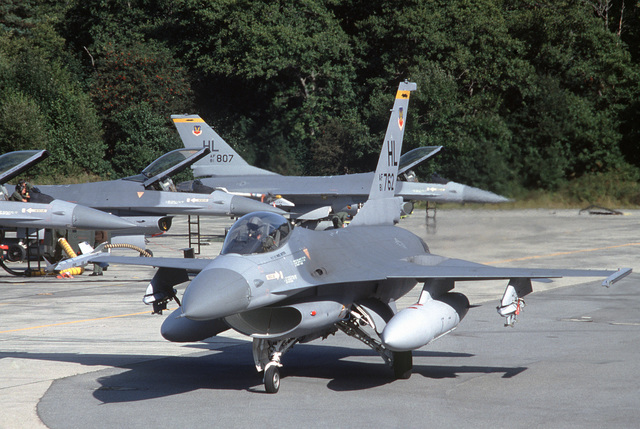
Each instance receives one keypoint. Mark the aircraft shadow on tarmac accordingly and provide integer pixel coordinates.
(231, 368)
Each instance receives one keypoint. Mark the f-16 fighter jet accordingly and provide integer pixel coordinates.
(148, 200)
(224, 169)
(20, 220)
(42, 211)
(282, 285)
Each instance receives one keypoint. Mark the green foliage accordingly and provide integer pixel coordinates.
(621, 186)
(284, 68)
(143, 136)
(330, 153)
(126, 75)
(522, 94)
(136, 78)
(43, 108)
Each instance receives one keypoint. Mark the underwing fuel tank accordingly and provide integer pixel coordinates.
(420, 324)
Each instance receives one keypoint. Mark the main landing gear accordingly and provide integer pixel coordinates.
(267, 353)
(362, 327)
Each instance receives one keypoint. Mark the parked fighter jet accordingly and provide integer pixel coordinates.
(225, 169)
(58, 214)
(283, 285)
(20, 219)
(147, 199)
(42, 211)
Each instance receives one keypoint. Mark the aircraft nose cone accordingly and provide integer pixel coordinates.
(475, 195)
(86, 218)
(215, 293)
(240, 206)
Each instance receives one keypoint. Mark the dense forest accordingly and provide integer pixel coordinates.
(522, 94)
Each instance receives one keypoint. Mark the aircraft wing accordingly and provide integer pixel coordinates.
(191, 264)
(432, 267)
(426, 267)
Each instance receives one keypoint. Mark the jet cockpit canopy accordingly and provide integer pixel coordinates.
(15, 163)
(257, 232)
(157, 175)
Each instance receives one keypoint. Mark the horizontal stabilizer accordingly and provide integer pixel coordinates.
(615, 277)
(317, 214)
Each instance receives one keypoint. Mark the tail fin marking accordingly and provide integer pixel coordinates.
(223, 160)
(382, 207)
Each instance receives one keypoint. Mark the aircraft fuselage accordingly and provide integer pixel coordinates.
(335, 266)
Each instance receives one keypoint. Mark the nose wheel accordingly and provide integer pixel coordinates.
(266, 356)
(272, 379)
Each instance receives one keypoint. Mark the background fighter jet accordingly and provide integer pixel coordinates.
(282, 285)
(225, 169)
(58, 214)
(41, 211)
(147, 199)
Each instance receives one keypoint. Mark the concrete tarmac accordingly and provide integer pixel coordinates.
(85, 352)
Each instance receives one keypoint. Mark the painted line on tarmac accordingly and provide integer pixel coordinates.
(550, 255)
(75, 321)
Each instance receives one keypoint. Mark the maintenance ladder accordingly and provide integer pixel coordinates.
(194, 233)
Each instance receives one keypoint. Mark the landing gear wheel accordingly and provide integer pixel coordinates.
(272, 379)
(16, 253)
(402, 365)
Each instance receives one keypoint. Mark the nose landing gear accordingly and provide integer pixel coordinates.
(266, 356)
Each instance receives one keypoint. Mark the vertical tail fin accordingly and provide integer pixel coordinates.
(382, 207)
(223, 160)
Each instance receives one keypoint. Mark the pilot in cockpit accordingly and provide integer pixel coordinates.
(166, 185)
(21, 192)
(256, 233)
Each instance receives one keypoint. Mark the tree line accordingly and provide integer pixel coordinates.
(522, 94)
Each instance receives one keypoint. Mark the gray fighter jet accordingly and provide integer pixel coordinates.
(225, 169)
(21, 221)
(149, 199)
(42, 211)
(283, 285)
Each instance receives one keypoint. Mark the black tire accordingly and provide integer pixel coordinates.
(402, 365)
(272, 379)
(16, 253)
